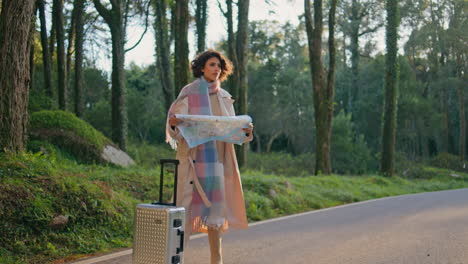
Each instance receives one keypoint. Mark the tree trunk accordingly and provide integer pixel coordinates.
(461, 100)
(391, 79)
(114, 18)
(258, 142)
(445, 105)
(181, 62)
(62, 84)
(163, 52)
(323, 87)
(45, 50)
(234, 79)
(79, 40)
(31, 51)
(119, 114)
(354, 48)
(200, 21)
(71, 44)
(15, 30)
(242, 51)
(31, 66)
(272, 139)
(173, 23)
(52, 44)
(458, 55)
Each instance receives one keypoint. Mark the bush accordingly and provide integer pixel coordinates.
(419, 171)
(258, 207)
(262, 183)
(349, 151)
(148, 155)
(449, 161)
(39, 101)
(99, 117)
(282, 163)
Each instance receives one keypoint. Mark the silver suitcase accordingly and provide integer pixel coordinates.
(159, 229)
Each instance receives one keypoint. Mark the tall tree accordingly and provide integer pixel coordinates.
(360, 19)
(114, 18)
(57, 14)
(323, 83)
(78, 10)
(391, 79)
(161, 26)
(15, 30)
(456, 33)
(181, 61)
(241, 57)
(461, 101)
(52, 38)
(71, 44)
(45, 50)
(31, 50)
(231, 42)
(201, 15)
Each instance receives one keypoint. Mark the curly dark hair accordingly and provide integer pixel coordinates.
(199, 63)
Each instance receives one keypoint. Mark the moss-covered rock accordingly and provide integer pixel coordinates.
(75, 136)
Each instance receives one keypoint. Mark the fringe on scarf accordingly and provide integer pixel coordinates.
(200, 225)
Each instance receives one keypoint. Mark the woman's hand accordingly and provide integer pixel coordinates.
(248, 130)
(174, 121)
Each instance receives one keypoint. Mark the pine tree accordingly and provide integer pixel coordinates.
(15, 34)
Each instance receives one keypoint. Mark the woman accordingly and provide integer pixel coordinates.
(209, 186)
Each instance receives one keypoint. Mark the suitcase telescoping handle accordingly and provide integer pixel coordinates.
(176, 163)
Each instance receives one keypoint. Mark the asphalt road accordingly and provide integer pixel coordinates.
(427, 228)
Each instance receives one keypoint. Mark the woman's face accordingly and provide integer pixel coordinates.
(212, 69)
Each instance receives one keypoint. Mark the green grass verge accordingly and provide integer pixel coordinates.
(316, 192)
(100, 200)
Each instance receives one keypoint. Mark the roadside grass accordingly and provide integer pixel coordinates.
(269, 195)
(99, 200)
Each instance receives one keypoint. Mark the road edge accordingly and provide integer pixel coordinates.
(120, 253)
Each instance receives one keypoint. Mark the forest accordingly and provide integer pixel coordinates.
(357, 87)
(273, 65)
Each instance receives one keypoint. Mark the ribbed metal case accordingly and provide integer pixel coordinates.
(159, 234)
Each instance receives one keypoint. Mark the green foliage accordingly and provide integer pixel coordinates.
(418, 171)
(350, 154)
(258, 207)
(281, 103)
(449, 161)
(51, 150)
(148, 155)
(39, 101)
(95, 86)
(145, 105)
(367, 104)
(282, 163)
(417, 120)
(99, 117)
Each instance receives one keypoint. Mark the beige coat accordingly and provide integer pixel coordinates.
(235, 207)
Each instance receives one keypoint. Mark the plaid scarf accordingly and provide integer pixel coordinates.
(209, 171)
